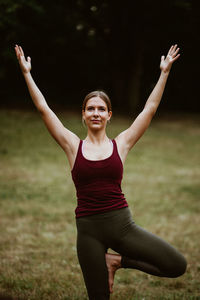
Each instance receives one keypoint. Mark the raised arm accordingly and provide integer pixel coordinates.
(127, 139)
(64, 137)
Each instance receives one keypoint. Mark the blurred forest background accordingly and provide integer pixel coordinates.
(81, 45)
(78, 46)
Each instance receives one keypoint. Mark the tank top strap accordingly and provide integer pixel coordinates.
(78, 156)
(79, 152)
(114, 143)
(115, 150)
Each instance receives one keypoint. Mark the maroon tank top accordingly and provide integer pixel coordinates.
(98, 183)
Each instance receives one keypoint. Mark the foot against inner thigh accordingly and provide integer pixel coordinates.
(113, 262)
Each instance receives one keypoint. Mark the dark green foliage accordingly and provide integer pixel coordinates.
(77, 46)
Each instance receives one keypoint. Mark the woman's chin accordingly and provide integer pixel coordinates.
(95, 126)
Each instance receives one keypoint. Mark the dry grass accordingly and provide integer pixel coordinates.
(37, 201)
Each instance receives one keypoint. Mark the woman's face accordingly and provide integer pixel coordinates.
(96, 114)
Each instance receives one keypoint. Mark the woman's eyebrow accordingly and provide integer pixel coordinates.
(100, 106)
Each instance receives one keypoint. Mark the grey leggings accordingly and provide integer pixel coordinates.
(139, 249)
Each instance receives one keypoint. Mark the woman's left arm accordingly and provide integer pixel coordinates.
(127, 139)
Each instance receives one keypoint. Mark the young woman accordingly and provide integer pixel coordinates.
(102, 215)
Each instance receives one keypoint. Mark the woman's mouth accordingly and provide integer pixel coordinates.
(96, 121)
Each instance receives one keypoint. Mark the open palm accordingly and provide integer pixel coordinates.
(172, 55)
(25, 65)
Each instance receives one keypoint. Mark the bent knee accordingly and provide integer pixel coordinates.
(182, 268)
(179, 268)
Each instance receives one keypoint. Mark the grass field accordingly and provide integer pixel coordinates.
(37, 201)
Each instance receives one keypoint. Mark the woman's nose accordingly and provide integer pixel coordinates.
(96, 112)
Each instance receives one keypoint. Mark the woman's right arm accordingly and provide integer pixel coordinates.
(64, 137)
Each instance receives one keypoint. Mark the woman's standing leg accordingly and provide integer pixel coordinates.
(91, 255)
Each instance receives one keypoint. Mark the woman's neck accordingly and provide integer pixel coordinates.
(96, 137)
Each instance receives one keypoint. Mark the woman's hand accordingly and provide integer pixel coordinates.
(25, 65)
(172, 55)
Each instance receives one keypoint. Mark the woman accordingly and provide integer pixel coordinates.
(102, 215)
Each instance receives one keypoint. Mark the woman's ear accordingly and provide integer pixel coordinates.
(109, 115)
(83, 115)
(83, 118)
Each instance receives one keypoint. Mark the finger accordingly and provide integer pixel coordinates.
(174, 49)
(176, 52)
(29, 59)
(170, 50)
(17, 51)
(21, 58)
(21, 51)
(175, 58)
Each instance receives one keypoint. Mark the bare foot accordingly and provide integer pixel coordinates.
(113, 262)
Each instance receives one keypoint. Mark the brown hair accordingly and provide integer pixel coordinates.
(99, 94)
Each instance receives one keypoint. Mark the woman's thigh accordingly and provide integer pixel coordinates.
(154, 255)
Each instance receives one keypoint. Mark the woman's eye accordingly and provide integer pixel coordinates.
(99, 109)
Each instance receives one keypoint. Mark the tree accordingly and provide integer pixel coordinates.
(81, 45)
